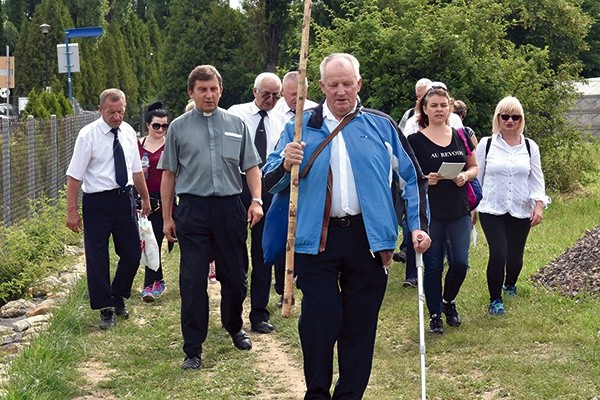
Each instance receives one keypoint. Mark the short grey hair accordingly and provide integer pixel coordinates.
(112, 95)
(293, 76)
(262, 76)
(346, 56)
(423, 82)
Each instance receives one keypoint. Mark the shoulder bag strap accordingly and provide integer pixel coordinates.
(462, 135)
(325, 142)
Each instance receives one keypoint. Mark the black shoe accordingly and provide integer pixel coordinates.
(120, 308)
(399, 256)
(262, 327)
(191, 363)
(435, 324)
(241, 340)
(107, 318)
(410, 282)
(280, 302)
(452, 317)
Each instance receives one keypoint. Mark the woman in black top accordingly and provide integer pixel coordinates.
(434, 144)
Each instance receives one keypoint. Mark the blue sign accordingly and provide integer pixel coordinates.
(89, 31)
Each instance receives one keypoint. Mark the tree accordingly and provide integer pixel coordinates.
(30, 54)
(591, 55)
(119, 66)
(196, 35)
(558, 25)
(467, 46)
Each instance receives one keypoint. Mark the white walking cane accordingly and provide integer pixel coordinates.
(421, 295)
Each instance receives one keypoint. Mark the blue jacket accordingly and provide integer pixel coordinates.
(376, 149)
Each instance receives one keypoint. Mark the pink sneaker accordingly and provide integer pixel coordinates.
(158, 288)
(212, 272)
(147, 295)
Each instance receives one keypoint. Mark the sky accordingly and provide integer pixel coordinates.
(235, 3)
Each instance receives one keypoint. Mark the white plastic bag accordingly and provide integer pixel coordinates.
(150, 250)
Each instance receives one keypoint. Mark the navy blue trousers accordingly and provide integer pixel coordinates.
(343, 288)
(261, 274)
(208, 227)
(105, 214)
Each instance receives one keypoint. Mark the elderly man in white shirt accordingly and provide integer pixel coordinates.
(265, 124)
(287, 104)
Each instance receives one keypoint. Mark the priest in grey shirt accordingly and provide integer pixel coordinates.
(205, 151)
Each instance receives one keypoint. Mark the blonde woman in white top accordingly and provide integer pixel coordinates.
(513, 197)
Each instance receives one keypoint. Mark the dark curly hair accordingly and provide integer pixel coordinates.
(156, 109)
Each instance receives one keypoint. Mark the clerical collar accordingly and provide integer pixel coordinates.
(207, 114)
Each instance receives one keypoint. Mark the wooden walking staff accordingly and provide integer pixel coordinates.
(291, 234)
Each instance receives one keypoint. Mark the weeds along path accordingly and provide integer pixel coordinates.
(283, 376)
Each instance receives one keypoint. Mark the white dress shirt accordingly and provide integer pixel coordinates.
(274, 122)
(344, 199)
(93, 163)
(285, 109)
(512, 181)
(412, 126)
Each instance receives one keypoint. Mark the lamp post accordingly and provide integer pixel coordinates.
(45, 29)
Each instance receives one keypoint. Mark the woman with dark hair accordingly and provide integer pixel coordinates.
(435, 144)
(151, 146)
(514, 197)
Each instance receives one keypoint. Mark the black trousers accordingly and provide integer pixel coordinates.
(506, 237)
(343, 289)
(105, 214)
(260, 275)
(208, 227)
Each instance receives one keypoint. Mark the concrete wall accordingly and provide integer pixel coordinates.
(586, 113)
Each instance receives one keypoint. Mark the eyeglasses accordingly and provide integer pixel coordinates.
(157, 127)
(266, 95)
(506, 117)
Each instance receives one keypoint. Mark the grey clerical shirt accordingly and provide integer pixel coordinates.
(207, 151)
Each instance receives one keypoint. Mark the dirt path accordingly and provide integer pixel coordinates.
(283, 376)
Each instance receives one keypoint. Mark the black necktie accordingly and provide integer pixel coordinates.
(119, 157)
(260, 139)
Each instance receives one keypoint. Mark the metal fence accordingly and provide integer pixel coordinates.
(35, 155)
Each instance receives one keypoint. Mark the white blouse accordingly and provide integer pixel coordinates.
(512, 181)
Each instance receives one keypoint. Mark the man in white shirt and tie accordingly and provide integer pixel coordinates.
(265, 124)
(289, 91)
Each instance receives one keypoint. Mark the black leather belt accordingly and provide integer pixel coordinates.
(123, 190)
(344, 222)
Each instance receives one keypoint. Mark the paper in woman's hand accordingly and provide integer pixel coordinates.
(450, 170)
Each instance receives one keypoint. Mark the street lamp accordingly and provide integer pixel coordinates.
(45, 29)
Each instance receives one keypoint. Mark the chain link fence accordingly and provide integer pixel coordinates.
(35, 155)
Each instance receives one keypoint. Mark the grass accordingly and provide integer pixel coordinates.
(546, 347)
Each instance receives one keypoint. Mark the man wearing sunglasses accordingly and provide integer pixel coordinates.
(265, 124)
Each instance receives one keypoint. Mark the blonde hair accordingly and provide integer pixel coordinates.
(508, 105)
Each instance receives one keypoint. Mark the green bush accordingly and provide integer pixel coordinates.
(569, 160)
(33, 247)
(44, 104)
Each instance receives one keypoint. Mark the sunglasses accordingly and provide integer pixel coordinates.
(157, 127)
(506, 117)
(266, 95)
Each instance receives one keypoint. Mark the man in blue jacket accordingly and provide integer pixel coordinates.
(346, 226)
